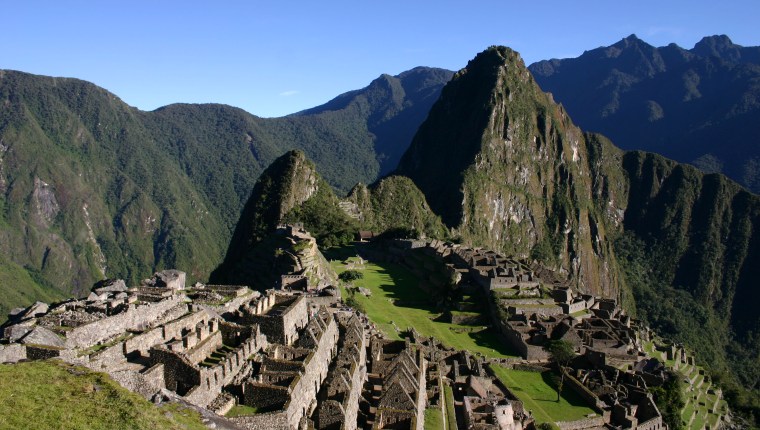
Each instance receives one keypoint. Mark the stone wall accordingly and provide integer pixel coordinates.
(205, 347)
(264, 421)
(212, 379)
(179, 373)
(584, 392)
(143, 342)
(282, 325)
(584, 423)
(342, 403)
(12, 353)
(146, 383)
(315, 370)
(302, 390)
(135, 317)
(36, 352)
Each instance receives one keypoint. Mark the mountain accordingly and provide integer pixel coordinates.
(391, 108)
(91, 187)
(291, 191)
(699, 106)
(506, 168)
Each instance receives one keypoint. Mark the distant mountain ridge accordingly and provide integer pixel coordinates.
(700, 106)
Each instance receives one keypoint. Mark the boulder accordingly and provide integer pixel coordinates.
(110, 286)
(36, 310)
(15, 332)
(42, 336)
(172, 279)
(16, 313)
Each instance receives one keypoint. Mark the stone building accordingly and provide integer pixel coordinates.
(397, 377)
(339, 397)
(285, 388)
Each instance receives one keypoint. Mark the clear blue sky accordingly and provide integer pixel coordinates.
(272, 58)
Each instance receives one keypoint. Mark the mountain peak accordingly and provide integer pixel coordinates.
(493, 150)
(718, 46)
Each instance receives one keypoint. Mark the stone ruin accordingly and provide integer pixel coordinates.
(299, 360)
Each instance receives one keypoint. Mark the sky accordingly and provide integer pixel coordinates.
(273, 58)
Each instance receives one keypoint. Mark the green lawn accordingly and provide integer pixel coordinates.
(541, 398)
(433, 419)
(55, 395)
(239, 410)
(397, 304)
(451, 415)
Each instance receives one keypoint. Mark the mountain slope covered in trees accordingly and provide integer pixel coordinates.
(91, 187)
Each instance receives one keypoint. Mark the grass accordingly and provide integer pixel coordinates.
(433, 419)
(239, 410)
(538, 396)
(55, 395)
(451, 415)
(397, 304)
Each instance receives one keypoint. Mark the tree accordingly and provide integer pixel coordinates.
(561, 353)
(351, 275)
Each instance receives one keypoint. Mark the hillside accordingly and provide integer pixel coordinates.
(91, 187)
(56, 395)
(506, 168)
(699, 106)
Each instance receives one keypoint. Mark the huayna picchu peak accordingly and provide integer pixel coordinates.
(437, 250)
(505, 167)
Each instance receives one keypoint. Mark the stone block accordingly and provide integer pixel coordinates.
(42, 336)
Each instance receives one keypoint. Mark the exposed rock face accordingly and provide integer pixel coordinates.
(504, 165)
(45, 202)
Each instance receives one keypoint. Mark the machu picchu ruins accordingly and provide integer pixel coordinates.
(298, 357)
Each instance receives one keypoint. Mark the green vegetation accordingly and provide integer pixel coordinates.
(539, 396)
(433, 419)
(631, 108)
(239, 410)
(669, 399)
(397, 208)
(54, 395)
(398, 304)
(20, 287)
(692, 389)
(451, 416)
(677, 315)
(136, 192)
(350, 275)
(560, 353)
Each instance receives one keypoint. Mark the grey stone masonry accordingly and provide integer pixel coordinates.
(339, 396)
(291, 390)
